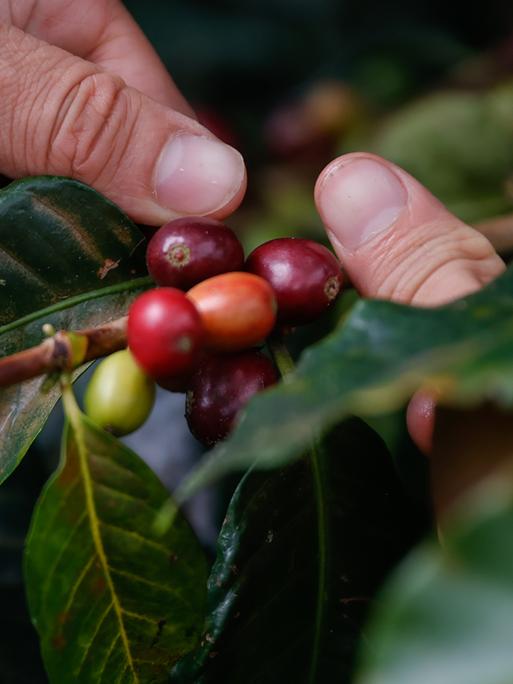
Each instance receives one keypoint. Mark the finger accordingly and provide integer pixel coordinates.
(103, 32)
(395, 239)
(399, 242)
(420, 420)
(60, 115)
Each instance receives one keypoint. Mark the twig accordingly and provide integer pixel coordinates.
(64, 351)
(499, 231)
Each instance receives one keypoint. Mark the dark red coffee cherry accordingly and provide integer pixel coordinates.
(305, 276)
(165, 332)
(188, 250)
(180, 383)
(220, 388)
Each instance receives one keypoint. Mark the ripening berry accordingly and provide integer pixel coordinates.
(238, 310)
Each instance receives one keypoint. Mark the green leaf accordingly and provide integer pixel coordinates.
(446, 616)
(300, 555)
(458, 144)
(67, 257)
(379, 356)
(112, 602)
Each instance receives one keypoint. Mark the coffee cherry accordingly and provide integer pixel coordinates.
(220, 388)
(188, 250)
(164, 332)
(175, 383)
(119, 396)
(238, 310)
(305, 276)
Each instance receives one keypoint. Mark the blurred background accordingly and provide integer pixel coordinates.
(293, 83)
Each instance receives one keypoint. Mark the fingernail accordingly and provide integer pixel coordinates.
(360, 199)
(197, 175)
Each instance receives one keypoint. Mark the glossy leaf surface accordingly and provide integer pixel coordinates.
(68, 257)
(300, 555)
(111, 600)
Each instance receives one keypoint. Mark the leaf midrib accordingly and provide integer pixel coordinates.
(73, 415)
(127, 286)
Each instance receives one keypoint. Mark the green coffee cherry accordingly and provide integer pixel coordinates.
(119, 397)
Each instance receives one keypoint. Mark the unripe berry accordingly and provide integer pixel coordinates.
(165, 333)
(188, 250)
(219, 390)
(238, 310)
(119, 396)
(305, 276)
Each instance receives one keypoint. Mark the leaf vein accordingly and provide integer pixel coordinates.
(135, 535)
(61, 553)
(76, 584)
(109, 652)
(93, 637)
(150, 583)
(125, 495)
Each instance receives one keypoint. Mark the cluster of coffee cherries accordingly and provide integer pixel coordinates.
(202, 329)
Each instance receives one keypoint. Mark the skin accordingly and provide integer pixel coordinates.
(426, 256)
(90, 99)
(85, 95)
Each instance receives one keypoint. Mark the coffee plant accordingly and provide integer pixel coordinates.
(320, 573)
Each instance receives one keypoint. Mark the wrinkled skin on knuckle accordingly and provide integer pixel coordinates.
(92, 127)
(25, 68)
(436, 264)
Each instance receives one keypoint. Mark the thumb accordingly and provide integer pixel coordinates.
(395, 239)
(63, 115)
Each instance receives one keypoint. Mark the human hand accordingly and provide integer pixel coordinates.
(84, 95)
(396, 241)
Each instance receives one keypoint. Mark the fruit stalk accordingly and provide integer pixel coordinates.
(281, 355)
(64, 351)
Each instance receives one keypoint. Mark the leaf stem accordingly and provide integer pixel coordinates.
(69, 402)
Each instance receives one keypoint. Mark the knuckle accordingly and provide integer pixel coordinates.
(412, 267)
(91, 127)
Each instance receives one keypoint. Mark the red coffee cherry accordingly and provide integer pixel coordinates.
(220, 388)
(305, 276)
(164, 332)
(188, 250)
(238, 310)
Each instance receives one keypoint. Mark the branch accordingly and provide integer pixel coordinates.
(499, 231)
(65, 351)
